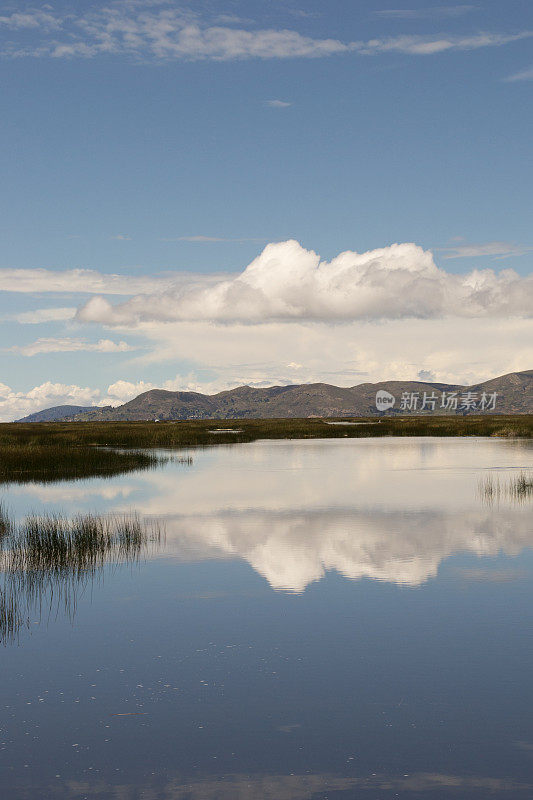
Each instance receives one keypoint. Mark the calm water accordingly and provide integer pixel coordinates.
(325, 619)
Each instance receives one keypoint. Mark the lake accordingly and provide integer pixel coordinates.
(336, 618)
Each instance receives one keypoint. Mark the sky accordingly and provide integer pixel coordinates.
(204, 195)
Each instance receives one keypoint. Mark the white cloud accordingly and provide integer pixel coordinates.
(288, 282)
(157, 31)
(14, 405)
(523, 75)
(201, 239)
(122, 237)
(494, 249)
(430, 12)
(67, 345)
(418, 45)
(278, 104)
(154, 30)
(289, 317)
(41, 315)
(122, 391)
(464, 351)
(85, 281)
(30, 19)
(455, 350)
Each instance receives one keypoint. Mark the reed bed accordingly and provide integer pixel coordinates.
(46, 560)
(23, 461)
(518, 489)
(521, 487)
(46, 452)
(136, 435)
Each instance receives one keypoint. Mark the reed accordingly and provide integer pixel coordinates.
(521, 487)
(23, 460)
(47, 452)
(136, 435)
(518, 489)
(45, 560)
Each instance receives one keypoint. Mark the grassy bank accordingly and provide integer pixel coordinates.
(193, 432)
(65, 451)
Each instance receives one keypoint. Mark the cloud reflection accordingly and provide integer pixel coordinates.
(386, 509)
(293, 550)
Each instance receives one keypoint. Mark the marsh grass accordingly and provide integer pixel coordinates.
(521, 487)
(46, 560)
(24, 460)
(518, 489)
(46, 452)
(5, 523)
(200, 432)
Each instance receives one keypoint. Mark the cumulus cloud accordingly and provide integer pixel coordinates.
(122, 391)
(68, 345)
(288, 282)
(155, 30)
(15, 404)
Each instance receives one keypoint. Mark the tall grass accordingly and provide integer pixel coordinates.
(23, 460)
(518, 489)
(5, 523)
(199, 432)
(521, 487)
(48, 559)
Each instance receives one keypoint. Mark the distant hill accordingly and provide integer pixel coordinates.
(514, 395)
(56, 413)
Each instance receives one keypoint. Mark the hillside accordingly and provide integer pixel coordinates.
(514, 395)
(56, 413)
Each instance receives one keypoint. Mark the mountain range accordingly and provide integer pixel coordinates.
(514, 395)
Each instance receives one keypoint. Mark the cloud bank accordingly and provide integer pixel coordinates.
(286, 282)
(289, 317)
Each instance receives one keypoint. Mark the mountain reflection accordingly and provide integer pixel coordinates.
(46, 560)
(389, 510)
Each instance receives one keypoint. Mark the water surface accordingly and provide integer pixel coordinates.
(325, 619)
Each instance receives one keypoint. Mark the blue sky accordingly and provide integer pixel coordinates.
(169, 143)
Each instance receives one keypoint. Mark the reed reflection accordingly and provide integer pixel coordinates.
(45, 561)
